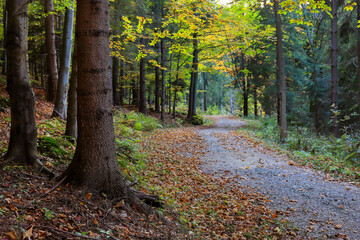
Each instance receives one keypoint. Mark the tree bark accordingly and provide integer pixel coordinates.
(142, 83)
(71, 121)
(358, 53)
(194, 76)
(157, 82)
(176, 84)
(23, 134)
(61, 95)
(94, 166)
(334, 69)
(205, 93)
(255, 102)
(50, 51)
(246, 96)
(122, 82)
(281, 70)
(5, 24)
(115, 79)
(163, 89)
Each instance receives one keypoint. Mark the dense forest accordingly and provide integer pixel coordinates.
(288, 67)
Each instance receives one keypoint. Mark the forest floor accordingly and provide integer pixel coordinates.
(315, 203)
(215, 182)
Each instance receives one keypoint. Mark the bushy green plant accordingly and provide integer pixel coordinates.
(196, 120)
(137, 121)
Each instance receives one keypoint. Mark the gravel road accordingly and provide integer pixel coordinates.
(315, 203)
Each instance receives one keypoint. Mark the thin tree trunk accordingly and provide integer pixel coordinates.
(163, 89)
(122, 82)
(194, 75)
(176, 84)
(5, 24)
(61, 95)
(358, 53)
(246, 96)
(157, 83)
(205, 93)
(115, 79)
(42, 72)
(71, 122)
(334, 70)
(255, 102)
(50, 51)
(169, 82)
(281, 69)
(23, 134)
(142, 83)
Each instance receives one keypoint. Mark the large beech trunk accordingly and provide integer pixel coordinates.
(50, 51)
(23, 133)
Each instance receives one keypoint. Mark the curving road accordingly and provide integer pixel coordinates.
(315, 203)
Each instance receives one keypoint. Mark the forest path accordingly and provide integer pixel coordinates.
(315, 203)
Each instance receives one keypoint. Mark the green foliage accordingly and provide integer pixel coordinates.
(55, 147)
(196, 120)
(137, 121)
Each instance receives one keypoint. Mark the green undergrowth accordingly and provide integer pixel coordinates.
(338, 156)
(129, 128)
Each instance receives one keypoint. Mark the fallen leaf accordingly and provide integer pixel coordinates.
(28, 234)
(88, 196)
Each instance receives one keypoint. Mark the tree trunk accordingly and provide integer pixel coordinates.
(281, 69)
(142, 103)
(255, 102)
(334, 70)
(94, 166)
(5, 24)
(23, 134)
(246, 96)
(61, 95)
(71, 122)
(157, 83)
(115, 77)
(205, 93)
(358, 53)
(163, 90)
(122, 82)
(176, 84)
(50, 51)
(194, 76)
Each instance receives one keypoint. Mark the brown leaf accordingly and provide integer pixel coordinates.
(89, 196)
(28, 234)
(12, 235)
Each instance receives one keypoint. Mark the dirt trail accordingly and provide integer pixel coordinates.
(313, 202)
